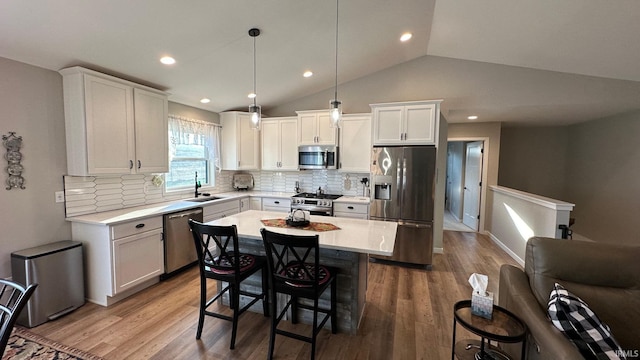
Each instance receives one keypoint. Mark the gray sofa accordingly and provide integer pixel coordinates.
(605, 276)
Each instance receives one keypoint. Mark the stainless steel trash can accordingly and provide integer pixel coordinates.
(58, 270)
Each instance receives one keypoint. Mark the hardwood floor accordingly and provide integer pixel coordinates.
(408, 316)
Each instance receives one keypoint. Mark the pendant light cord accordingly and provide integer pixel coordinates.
(254, 71)
(336, 83)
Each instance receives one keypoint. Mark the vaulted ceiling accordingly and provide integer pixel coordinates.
(589, 48)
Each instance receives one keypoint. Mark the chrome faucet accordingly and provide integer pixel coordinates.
(198, 185)
(297, 188)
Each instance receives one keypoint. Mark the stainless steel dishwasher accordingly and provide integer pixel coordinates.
(179, 249)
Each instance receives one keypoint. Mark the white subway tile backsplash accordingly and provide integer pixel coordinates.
(108, 180)
(110, 202)
(103, 192)
(82, 203)
(79, 210)
(107, 208)
(115, 186)
(132, 202)
(108, 197)
(79, 179)
(90, 194)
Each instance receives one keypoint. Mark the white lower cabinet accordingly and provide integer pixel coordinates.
(137, 258)
(256, 203)
(276, 204)
(349, 210)
(120, 259)
(245, 204)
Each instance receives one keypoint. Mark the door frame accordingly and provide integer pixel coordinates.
(485, 183)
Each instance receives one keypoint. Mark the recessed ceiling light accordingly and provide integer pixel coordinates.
(251, 96)
(406, 37)
(167, 60)
(205, 100)
(472, 117)
(307, 74)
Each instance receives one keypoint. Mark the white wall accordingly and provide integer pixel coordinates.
(534, 159)
(603, 168)
(594, 165)
(516, 216)
(32, 106)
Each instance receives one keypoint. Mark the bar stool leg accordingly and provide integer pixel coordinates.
(203, 304)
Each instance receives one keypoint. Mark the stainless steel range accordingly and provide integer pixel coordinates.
(316, 204)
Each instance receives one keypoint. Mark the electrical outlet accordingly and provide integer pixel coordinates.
(59, 196)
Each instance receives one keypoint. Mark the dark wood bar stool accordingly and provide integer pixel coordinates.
(295, 270)
(13, 298)
(230, 266)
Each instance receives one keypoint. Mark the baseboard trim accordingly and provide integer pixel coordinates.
(438, 250)
(506, 249)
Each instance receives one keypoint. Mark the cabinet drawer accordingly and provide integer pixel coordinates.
(351, 215)
(351, 208)
(276, 202)
(232, 205)
(136, 227)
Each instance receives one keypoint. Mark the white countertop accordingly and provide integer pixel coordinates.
(139, 212)
(114, 217)
(356, 235)
(353, 200)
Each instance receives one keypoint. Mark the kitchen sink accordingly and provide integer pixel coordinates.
(204, 199)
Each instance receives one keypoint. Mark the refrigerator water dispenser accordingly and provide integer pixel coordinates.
(383, 191)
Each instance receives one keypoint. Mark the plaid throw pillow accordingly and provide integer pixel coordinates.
(581, 326)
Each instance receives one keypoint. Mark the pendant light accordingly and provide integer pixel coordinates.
(335, 106)
(254, 109)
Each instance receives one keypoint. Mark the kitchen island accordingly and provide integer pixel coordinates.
(346, 249)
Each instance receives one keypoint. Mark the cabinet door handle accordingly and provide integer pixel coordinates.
(276, 202)
(350, 207)
(130, 164)
(139, 164)
(140, 226)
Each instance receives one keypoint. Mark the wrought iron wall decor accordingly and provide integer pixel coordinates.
(13, 144)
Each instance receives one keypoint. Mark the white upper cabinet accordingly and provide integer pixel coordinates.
(240, 143)
(407, 123)
(314, 128)
(113, 126)
(355, 143)
(152, 144)
(279, 149)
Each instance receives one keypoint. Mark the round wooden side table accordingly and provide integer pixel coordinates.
(503, 327)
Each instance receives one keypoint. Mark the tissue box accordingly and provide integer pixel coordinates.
(482, 305)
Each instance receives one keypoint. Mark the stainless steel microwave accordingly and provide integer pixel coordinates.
(317, 157)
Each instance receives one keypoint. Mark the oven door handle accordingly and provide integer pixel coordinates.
(313, 209)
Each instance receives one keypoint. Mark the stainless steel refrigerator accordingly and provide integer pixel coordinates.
(403, 186)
